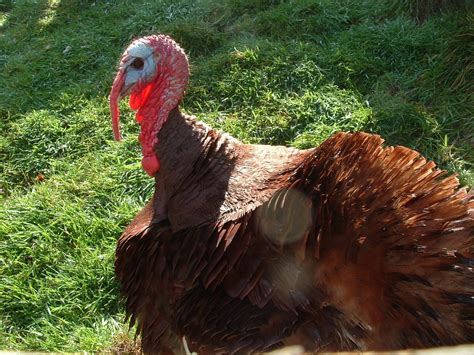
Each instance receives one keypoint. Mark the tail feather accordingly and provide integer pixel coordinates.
(396, 240)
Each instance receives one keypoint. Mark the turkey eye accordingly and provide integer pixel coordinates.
(138, 63)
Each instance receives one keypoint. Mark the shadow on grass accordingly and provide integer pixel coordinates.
(27, 17)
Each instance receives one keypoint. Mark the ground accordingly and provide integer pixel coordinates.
(266, 71)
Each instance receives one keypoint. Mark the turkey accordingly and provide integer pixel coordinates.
(247, 248)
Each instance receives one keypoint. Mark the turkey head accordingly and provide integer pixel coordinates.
(154, 72)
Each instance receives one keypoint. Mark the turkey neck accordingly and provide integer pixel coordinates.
(196, 163)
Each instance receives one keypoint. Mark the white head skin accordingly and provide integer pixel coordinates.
(139, 64)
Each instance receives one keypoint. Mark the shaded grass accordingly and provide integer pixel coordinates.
(266, 71)
(456, 67)
(420, 10)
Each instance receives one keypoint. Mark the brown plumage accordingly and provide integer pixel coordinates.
(246, 248)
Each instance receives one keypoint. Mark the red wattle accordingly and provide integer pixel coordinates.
(138, 98)
(150, 164)
(139, 116)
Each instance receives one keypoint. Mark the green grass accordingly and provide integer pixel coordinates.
(266, 71)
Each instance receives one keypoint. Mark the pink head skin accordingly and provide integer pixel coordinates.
(154, 71)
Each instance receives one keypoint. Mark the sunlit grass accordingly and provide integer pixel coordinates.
(268, 72)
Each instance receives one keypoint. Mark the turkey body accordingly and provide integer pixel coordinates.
(347, 246)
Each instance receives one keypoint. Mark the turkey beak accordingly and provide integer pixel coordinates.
(116, 94)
